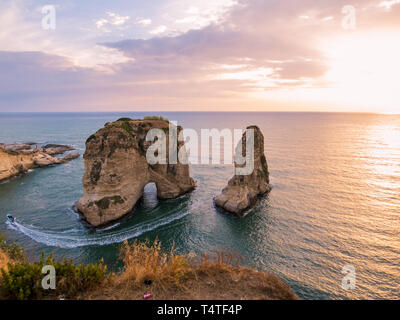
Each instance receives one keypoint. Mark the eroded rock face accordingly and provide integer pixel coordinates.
(116, 171)
(243, 191)
(19, 158)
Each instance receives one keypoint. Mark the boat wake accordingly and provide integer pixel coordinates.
(75, 238)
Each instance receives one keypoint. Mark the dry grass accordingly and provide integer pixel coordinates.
(146, 261)
(177, 277)
(4, 260)
(171, 276)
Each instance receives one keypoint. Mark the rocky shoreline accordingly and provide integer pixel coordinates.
(18, 158)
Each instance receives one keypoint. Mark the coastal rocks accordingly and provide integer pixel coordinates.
(16, 147)
(69, 157)
(242, 191)
(44, 160)
(117, 170)
(54, 149)
(50, 149)
(19, 158)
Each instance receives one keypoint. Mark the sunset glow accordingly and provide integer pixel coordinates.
(231, 55)
(365, 71)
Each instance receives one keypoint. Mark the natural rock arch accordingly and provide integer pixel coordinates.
(116, 170)
(150, 193)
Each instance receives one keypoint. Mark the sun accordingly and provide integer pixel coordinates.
(363, 75)
(365, 70)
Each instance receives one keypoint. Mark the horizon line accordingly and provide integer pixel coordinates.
(200, 111)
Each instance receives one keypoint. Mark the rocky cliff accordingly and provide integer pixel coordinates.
(19, 158)
(242, 191)
(116, 170)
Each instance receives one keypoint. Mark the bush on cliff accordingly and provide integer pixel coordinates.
(4, 260)
(10, 252)
(147, 268)
(171, 276)
(125, 119)
(147, 261)
(155, 118)
(21, 280)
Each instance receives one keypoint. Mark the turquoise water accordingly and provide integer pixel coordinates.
(335, 200)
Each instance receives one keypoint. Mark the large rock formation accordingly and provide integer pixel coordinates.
(19, 158)
(242, 191)
(116, 170)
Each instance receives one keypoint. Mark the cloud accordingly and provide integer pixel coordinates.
(198, 14)
(113, 19)
(262, 31)
(260, 46)
(221, 45)
(21, 31)
(159, 30)
(143, 22)
(246, 53)
(34, 81)
(29, 77)
(388, 4)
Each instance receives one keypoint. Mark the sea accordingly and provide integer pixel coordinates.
(333, 212)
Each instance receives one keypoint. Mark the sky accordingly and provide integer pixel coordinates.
(220, 55)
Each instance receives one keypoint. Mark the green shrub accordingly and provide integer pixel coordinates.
(124, 119)
(127, 127)
(92, 137)
(12, 250)
(23, 280)
(155, 118)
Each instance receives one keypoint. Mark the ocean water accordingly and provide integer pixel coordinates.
(335, 200)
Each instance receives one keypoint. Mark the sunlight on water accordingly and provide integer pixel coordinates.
(335, 200)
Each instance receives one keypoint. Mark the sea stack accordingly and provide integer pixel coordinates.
(117, 170)
(243, 191)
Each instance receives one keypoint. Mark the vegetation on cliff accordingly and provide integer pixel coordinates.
(125, 119)
(20, 279)
(155, 118)
(172, 276)
(147, 268)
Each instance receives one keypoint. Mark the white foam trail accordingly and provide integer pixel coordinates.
(108, 228)
(76, 239)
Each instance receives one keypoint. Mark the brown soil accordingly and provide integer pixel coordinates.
(210, 283)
